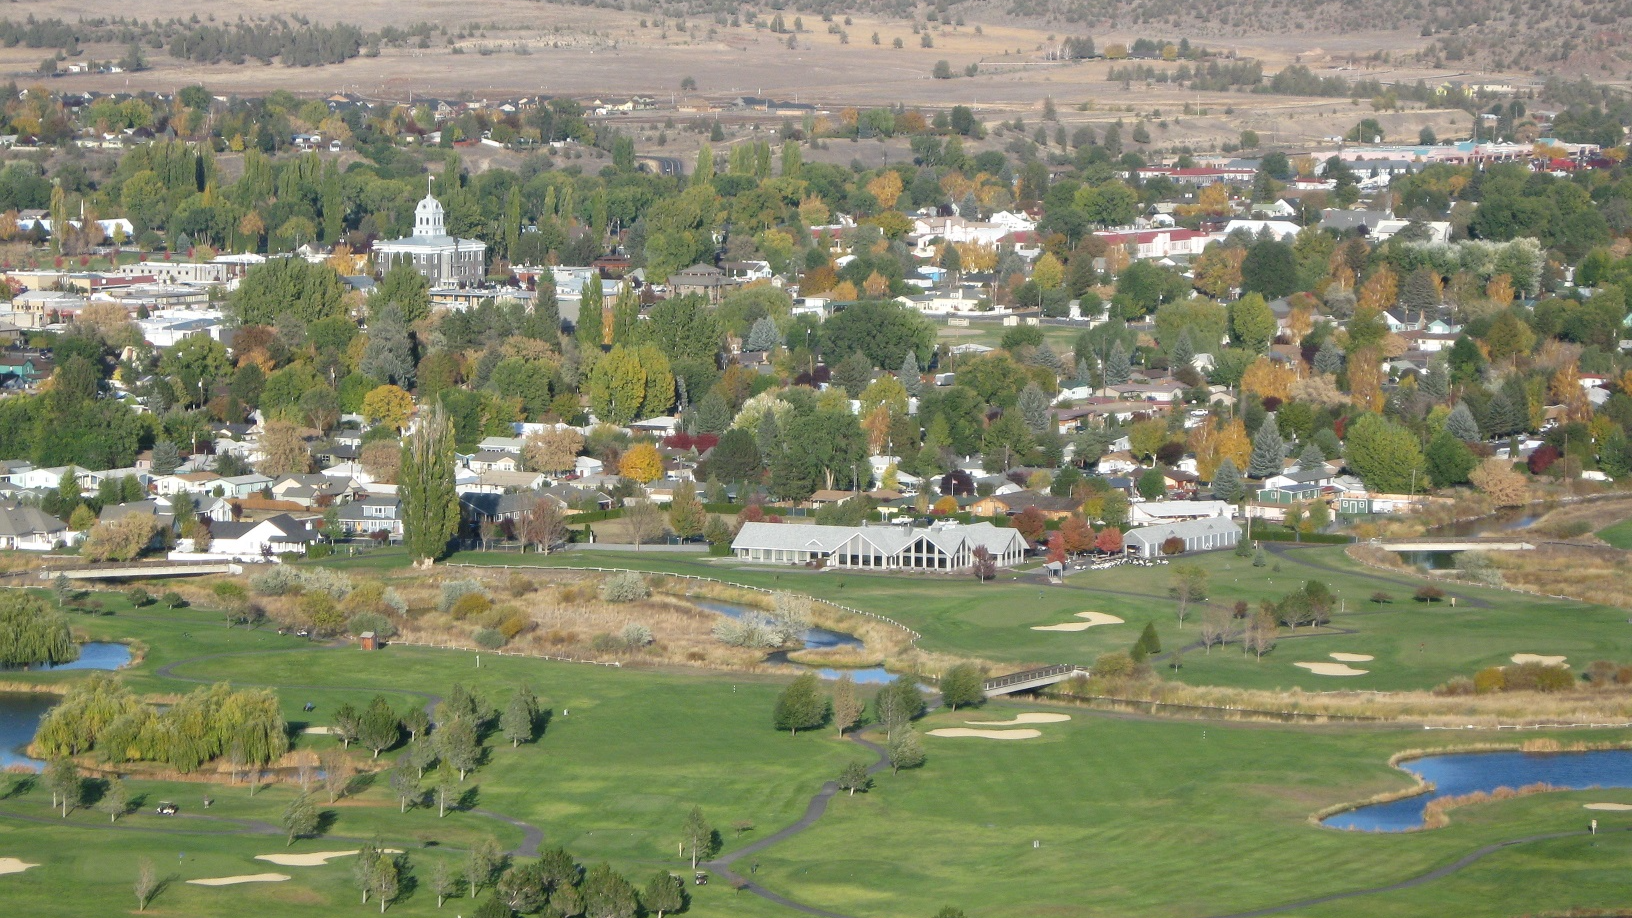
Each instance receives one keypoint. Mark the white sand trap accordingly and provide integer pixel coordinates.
(316, 731)
(1093, 618)
(315, 859)
(1607, 806)
(1543, 659)
(986, 734)
(1022, 719)
(1332, 669)
(245, 878)
(1352, 657)
(13, 865)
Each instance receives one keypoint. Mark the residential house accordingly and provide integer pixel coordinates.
(253, 541)
(25, 528)
(1052, 507)
(371, 514)
(703, 280)
(315, 490)
(492, 460)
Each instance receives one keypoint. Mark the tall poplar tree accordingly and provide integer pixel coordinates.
(430, 508)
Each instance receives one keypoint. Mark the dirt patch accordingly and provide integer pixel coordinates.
(242, 878)
(986, 734)
(1332, 669)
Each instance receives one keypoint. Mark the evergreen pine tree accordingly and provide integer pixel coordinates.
(768, 437)
(911, 378)
(1034, 408)
(1085, 373)
(389, 356)
(1312, 457)
(1268, 450)
(1461, 424)
(712, 415)
(1183, 353)
(1227, 484)
(1118, 369)
(1044, 356)
(1328, 359)
(166, 458)
(1436, 383)
(762, 337)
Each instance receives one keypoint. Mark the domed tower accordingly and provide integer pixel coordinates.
(429, 218)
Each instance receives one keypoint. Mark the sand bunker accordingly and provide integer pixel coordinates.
(986, 734)
(1022, 719)
(316, 731)
(246, 878)
(315, 859)
(1332, 669)
(1608, 806)
(1093, 618)
(1543, 659)
(13, 865)
(1352, 657)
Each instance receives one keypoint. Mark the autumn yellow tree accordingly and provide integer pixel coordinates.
(388, 405)
(1500, 290)
(1366, 379)
(1212, 444)
(1048, 273)
(1218, 271)
(641, 463)
(1567, 391)
(886, 188)
(876, 285)
(973, 256)
(1267, 378)
(1380, 291)
(1497, 479)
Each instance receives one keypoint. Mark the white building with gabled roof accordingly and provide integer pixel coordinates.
(947, 547)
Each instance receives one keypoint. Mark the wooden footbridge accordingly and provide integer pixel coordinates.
(1031, 679)
(1452, 543)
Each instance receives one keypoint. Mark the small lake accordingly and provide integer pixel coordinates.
(815, 639)
(104, 655)
(20, 714)
(1463, 773)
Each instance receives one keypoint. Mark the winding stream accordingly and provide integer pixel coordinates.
(815, 639)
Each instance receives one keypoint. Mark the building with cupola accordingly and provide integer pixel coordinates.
(443, 260)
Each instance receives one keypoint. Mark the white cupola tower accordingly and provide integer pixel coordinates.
(428, 217)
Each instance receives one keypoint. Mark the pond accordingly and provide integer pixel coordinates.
(1500, 523)
(815, 639)
(1463, 773)
(104, 655)
(20, 714)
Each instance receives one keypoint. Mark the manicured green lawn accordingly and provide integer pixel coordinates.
(1416, 645)
(1618, 535)
(1154, 819)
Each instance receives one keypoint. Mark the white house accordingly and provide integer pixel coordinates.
(24, 528)
(1173, 511)
(255, 541)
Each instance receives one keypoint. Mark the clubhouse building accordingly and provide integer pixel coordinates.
(947, 547)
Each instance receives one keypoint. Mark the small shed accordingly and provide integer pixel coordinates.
(368, 641)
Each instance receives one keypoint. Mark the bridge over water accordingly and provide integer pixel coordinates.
(1031, 679)
(1452, 543)
(136, 570)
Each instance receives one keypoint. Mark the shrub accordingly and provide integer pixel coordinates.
(1461, 685)
(393, 600)
(284, 580)
(635, 635)
(1115, 665)
(139, 597)
(371, 621)
(513, 625)
(470, 604)
(365, 597)
(606, 643)
(1486, 681)
(624, 586)
(454, 590)
(489, 639)
(276, 581)
(519, 585)
(1539, 677)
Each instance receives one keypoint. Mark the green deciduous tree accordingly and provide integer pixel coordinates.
(1386, 456)
(801, 706)
(963, 685)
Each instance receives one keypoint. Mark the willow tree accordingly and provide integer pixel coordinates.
(33, 632)
(430, 507)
